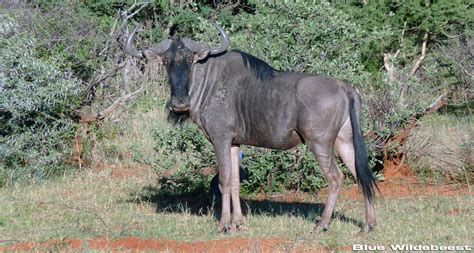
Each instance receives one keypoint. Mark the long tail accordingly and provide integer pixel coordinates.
(364, 175)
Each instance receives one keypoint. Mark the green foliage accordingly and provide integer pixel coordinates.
(183, 153)
(320, 38)
(303, 37)
(70, 31)
(276, 171)
(402, 25)
(36, 103)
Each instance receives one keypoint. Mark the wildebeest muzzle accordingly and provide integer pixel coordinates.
(179, 104)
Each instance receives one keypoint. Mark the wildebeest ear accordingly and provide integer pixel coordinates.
(200, 54)
(150, 54)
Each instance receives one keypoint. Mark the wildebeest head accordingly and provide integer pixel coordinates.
(178, 55)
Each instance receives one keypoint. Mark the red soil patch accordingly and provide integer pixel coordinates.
(135, 244)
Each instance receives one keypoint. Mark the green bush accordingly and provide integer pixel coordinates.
(276, 171)
(183, 153)
(37, 101)
(68, 31)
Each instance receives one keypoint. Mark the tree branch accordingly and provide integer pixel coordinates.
(89, 118)
(403, 33)
(437, 103)
(97, 80)
(125, 17)
(143, 5)
(417, 64)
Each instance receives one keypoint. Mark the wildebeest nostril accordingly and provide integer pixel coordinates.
(179, 104)
(179, 108)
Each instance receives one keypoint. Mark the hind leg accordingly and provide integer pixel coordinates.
(334, 176)
(345, 149)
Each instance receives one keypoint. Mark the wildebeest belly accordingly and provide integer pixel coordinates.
(267, 118)
(256, 138)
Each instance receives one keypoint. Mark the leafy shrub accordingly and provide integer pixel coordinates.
(183, 153)
(62, 29)
(275, 171)
(37, 100)
(303, 37)
(316, 38)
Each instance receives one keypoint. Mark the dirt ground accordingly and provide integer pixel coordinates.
(399, 187)
(135, 244)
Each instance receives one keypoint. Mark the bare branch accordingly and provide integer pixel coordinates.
(437, 103)
(451, 36)
(417, 65)
(88, 118)
(403, 33)
(143, 5)
(97, 80)
(125, 17)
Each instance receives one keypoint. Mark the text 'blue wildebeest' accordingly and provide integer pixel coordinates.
(237, 99)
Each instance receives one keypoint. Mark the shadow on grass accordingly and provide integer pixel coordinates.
(201, 201)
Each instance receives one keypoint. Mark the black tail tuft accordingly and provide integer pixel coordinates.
(364, 175)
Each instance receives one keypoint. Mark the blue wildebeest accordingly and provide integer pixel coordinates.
(237, 99)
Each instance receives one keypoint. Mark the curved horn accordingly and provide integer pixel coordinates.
(161, 47)
(129, 48)
(156, 49)
(225, 41)
(196, 46)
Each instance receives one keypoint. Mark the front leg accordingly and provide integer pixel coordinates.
(222, 150)
(237, 218)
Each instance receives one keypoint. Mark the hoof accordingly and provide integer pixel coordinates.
(321, 228)
(223, 228)
(237, 223)
(237, 226)
(368, 228)
(240, 228)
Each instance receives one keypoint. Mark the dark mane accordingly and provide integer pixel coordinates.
(261, 69)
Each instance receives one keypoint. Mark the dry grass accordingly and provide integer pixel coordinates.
(441, 147)
(96, 204)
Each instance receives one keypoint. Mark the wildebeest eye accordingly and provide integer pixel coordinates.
(165, 62)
